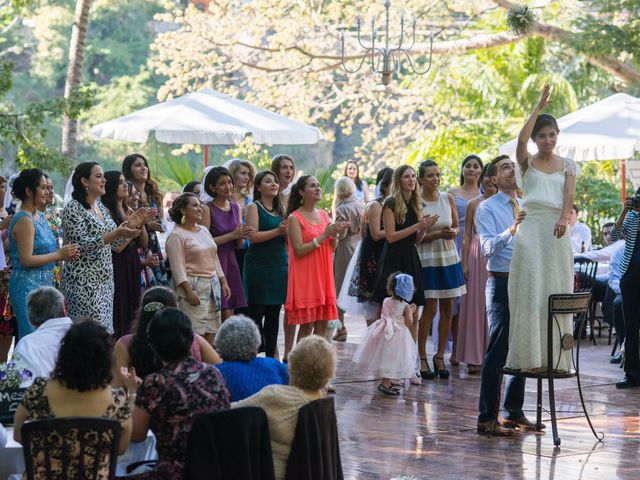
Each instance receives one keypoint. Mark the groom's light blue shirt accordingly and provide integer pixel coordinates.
(494, 217)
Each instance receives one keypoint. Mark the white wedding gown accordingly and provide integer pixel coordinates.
(541, 265)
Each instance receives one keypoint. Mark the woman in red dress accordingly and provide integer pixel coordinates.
(311, 293)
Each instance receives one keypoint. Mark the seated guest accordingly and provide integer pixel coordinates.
(612, 305)
(79, 385)
(605, 253)
(599, 289)
(37, 352)
(580, 233)
(312, 365)
(134, 350)
(245, 373)
(168, 400)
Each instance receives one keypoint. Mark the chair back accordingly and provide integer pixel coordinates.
(71, 448)
(315, 451)
(230, 445)
(585, 275)
(575, 304)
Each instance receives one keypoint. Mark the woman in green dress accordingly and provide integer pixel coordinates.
(266, 261)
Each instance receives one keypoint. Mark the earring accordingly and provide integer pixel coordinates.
(182, 220)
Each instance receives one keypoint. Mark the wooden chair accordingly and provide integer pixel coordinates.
(584, 280)
(576, 304)
(71, 448)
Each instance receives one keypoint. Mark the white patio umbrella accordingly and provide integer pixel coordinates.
(207, 117)
(606, 130)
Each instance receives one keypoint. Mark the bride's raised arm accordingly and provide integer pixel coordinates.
(522, 153)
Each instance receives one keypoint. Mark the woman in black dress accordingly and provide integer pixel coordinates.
(125, 257)
(403, 219)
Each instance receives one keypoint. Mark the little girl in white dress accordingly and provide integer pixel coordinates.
(389, 349)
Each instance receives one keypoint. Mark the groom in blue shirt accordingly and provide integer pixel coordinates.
(497, 220)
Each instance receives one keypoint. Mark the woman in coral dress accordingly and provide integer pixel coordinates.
(311, 292)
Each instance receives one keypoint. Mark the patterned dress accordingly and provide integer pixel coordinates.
(54, 222)
(173, 397)
(37, 405)
(87, 283)
(25, 279)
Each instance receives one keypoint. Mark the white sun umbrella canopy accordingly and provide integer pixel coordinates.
(606, 130)
(207, 117)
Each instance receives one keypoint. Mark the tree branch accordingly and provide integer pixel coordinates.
(624, 71)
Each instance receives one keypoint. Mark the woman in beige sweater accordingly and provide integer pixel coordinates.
(195, 268)
(312, 365)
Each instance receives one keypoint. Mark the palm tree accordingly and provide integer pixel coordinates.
(74, 72)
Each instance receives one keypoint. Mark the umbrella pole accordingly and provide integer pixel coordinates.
(206, 156)
(623, 172)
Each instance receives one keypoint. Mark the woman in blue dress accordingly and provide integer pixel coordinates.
(32, 245)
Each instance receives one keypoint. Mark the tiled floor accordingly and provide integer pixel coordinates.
(428, 432)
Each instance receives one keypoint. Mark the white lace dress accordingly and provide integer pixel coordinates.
(541, 265)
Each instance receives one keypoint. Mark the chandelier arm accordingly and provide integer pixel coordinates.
(413, 68)
(401, 38)
(362, 60)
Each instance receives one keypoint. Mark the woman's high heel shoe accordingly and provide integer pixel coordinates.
(426, 374)
(443, 372)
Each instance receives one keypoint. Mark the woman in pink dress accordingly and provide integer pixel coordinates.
(473, 329)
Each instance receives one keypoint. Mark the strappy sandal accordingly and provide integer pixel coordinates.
(388, 390)
(426, 374)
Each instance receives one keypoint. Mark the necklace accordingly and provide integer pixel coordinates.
(270, 210)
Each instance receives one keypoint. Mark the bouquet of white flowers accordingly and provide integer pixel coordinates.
(520, 19)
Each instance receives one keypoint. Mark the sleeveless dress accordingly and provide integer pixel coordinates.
(400, 256)
(388, 349)
(441, 268)
(265, 264)
(355, 295)
(25, 279)
(473, 331)
(311, 293)
(541, 265)
(126, 299)
(221, 223)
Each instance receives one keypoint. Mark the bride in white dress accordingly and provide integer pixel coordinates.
(542, 262)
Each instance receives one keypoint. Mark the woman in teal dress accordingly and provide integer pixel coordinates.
(32, 245)
(266, 261)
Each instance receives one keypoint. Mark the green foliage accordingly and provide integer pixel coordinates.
(25, 130)
(598, 196)
(614, 30)
(176, 172)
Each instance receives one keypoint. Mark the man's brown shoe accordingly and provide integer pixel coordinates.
(522, 423)
(494, 429)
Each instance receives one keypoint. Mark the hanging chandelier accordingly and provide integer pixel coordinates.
(384, 58)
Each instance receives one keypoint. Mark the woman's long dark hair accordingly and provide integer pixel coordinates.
(82, 170)
(257, 195)
(142, 356)
(383, 181)
(295, 198)
(357, 181)
(110, 197)
(151, 188)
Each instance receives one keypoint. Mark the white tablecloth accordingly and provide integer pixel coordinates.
(12, 461)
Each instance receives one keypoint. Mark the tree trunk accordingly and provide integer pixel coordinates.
(74, 72)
